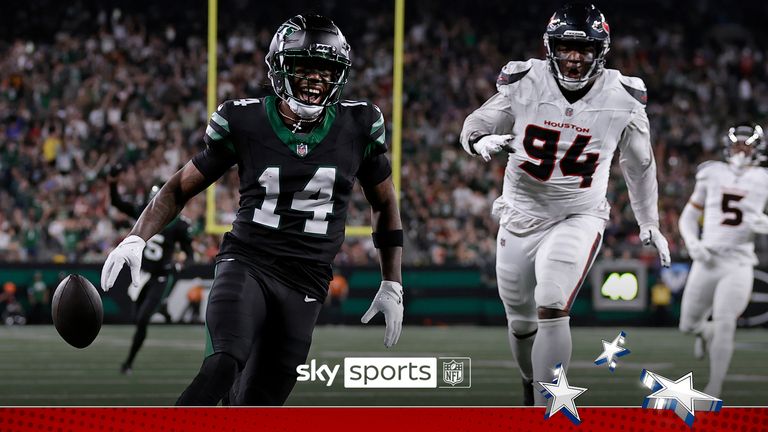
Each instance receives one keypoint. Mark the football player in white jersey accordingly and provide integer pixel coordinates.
(732, 196)
(562, 119)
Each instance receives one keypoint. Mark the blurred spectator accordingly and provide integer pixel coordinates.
(12, 311)
(338, 290)
(191, 314)
(39, 301)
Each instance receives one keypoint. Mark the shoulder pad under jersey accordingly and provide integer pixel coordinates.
(635, 87)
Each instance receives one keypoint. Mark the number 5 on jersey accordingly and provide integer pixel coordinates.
(154, 248)
(316, 198)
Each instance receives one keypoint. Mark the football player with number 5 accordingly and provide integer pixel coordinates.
(732, 197)
(298, 155)
(562, 119)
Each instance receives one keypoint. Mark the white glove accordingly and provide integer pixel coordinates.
(129, 252)
(650, 235)
(698, 252)
(491, 144)
(758, 223)
(389, 301)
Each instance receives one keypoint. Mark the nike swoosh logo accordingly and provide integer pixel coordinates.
(309, 300)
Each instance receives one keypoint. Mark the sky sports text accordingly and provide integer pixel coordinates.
(393, 372)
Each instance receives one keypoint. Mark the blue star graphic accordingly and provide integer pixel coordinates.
(612, 351)
(679, 396)
(560, 396)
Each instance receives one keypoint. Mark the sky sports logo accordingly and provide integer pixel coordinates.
(393, 372)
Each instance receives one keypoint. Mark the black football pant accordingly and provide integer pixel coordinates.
(152, 294)
(259, 330)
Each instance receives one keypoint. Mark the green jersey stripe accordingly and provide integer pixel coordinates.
(213, 134)
(378, 134)
(378, 124)
(221, 121)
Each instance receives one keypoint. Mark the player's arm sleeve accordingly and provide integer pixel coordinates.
(689, 224)
(693, 210)
(117, 201)
(387, 227)
(639, 168)
(375, 167)
(493, 118)
(219, 154)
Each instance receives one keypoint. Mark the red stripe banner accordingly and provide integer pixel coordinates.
(227, 419)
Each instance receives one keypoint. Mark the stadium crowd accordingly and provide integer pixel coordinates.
(95, 87)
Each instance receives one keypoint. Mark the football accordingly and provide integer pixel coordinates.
(77, 311)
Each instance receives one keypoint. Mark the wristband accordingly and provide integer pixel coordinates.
(473, 141)
(386, 239)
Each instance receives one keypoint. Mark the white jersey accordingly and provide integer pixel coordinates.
(563, 151)
(729, 198)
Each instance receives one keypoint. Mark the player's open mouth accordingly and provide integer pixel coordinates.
(311, 95)
(573, 72)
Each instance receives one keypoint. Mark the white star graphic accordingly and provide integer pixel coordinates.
(561, 395)
(678, 394)
(612, 351)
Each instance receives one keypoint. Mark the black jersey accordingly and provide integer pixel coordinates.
(294, 187)
(158, 254)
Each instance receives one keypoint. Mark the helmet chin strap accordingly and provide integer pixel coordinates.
(573, 85)
(304, 111)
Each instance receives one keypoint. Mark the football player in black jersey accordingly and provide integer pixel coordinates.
(157, 262)
(298, 155)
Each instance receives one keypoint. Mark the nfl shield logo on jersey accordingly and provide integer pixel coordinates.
(301, 149)
(453, 372)
(569, 111)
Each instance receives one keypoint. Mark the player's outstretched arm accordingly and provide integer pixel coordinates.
(164, 207)
(688, 224)
(388, 239)
(488, 129)
(167, 204)
(639, 168)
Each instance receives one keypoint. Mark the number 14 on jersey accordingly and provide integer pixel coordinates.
(316, 198)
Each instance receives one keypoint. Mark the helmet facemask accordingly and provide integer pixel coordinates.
(308, 83)
(744, 146)
(576, 61)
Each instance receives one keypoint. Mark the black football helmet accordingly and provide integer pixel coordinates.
(579, 22)
(744, 145)
(310, 41)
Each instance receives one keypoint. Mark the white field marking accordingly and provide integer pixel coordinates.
(114, 341)
(336, 354)
(94, 381)
(750, 346)
(476, 364)
(92, 367)
(90, 370)
(746, 378)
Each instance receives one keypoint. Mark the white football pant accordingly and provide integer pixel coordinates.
(544, 269)
(722, 288)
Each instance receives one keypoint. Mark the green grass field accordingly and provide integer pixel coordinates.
(38, 368)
